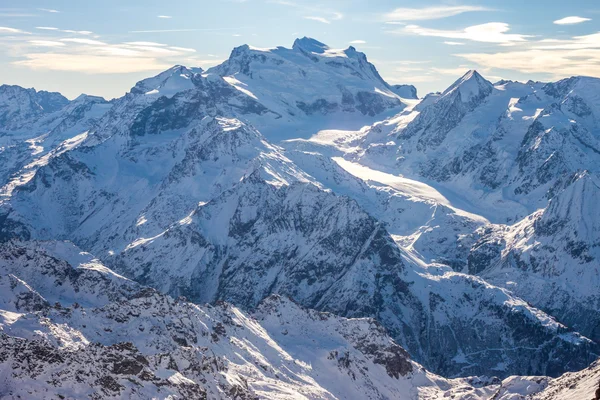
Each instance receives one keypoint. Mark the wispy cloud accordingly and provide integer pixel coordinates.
(49, 10)
(454, 43)
(315, 13)
(90, 56)
(154, 44)
(557, 58)
(83, 41)
(571, 20)
(4, 29)
(493, 32)
(318, 19)
(47, 43)
(189, 30)
(429, 13)
(52, 28)
(91, 64)
(165, 16)
(358, 42)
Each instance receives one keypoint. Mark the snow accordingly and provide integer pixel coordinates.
(406, 186)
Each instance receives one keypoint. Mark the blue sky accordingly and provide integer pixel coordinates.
(104, 47)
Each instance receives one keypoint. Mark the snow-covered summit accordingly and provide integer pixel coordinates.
(310, 84)
(167, 83)
(310, 45)
(471, 86)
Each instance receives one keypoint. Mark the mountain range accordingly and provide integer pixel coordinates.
(289, 225)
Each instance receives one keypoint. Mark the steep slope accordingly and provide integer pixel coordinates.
(142, 344)
(551, 258)
(24, 148)
(256, 240)
(147, 345)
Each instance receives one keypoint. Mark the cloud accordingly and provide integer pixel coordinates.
(316, 13)
(576, 43)
(557, 58)
(145, 44)
(83, 41)
(571, 20)
(4, 29)
(454, 43)
(358, 42)
(51, 28)
(458, 71)
(90, 64)
(319, 19)
(165, 16)
(49, 10)
(429, 13)
(89, 56)
(46, 43)
(190, 30)
(492, 32)
(188, 50)
(557, 64)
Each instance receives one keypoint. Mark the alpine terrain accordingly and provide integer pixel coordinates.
(288, 225)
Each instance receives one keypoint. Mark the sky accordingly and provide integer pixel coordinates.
(104, 47)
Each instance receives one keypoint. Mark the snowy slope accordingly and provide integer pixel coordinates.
(148, 345)
(550, 258)
(47, 132)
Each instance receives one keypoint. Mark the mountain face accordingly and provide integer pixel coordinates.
(143, 344)
(551, 257)
(20, 107)
(39, 126)
(462, 225)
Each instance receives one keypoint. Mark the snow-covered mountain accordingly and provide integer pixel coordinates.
(508, 146)
(551, 257)
(210, 208)
(20, 108)
(142, 344)
(39, 126)
(310, 86)
(186, 186)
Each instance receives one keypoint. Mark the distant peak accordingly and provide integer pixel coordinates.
(310, 45)
(471, 84)
(405, 91)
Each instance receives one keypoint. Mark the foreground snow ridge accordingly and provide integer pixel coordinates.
(287, 225)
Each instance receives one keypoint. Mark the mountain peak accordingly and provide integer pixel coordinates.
(310, 45)
(169, 82)
(470, 86)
